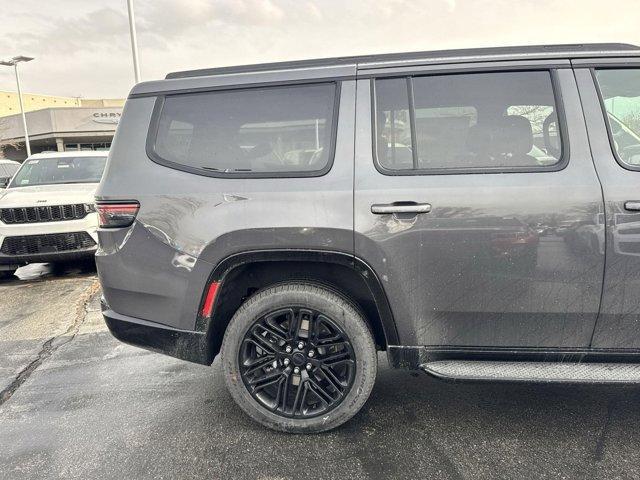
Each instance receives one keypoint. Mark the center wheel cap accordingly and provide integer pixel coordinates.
(298, 359)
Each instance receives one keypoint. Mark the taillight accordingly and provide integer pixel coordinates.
(117, 214)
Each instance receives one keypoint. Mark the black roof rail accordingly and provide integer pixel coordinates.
(471, 54)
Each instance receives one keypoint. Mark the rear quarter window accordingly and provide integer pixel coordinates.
(267, 131)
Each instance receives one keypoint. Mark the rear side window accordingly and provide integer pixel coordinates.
(8, 169)
(11, 169)
(270, 131)
(480, 121)
(620, 93)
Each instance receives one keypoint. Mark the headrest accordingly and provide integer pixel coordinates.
(511, 134)
(518, 135)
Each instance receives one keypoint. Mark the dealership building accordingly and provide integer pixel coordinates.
(57, 123)
(60, 129)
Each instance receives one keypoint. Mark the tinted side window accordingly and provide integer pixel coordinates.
(258, 130)
(393, 124)
(468, 121)
(620, 91)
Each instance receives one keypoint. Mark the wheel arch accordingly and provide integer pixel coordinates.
(241, 274)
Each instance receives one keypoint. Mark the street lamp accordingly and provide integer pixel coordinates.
(14, 63)
(134, 41)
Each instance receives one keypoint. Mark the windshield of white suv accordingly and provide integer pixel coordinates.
(58, 170)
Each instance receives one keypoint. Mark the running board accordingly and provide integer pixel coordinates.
(627, 373)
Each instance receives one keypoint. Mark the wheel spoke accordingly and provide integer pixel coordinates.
(262, 342)
(320, 392)
(314, 329)
(301, 395)
(282, 381)
(337, 358)
(333, 380)
(274, 329)
(334, 344)
(258, 364)
(257, 344)
(282, 401)
(294, 325)
(270, 333)
(265, 381)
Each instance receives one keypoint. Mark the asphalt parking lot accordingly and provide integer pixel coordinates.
(76, 403)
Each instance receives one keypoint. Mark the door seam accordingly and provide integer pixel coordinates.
(604, 210)
(353, 169)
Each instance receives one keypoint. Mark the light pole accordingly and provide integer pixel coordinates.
(134, 41)
(14, 63)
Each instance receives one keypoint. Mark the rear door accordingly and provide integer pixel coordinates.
(475, 199)
(610, 92)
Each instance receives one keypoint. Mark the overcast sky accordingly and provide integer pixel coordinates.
(82, 46)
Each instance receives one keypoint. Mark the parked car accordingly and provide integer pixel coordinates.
(47, 213)
(7, 169)
(219, 237)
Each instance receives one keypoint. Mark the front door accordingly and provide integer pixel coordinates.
(611, 99)
(475, 199)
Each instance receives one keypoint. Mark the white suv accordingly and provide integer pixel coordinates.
(47, 212)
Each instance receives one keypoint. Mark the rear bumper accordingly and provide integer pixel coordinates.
(183, 344)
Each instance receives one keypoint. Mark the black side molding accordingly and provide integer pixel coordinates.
(416, 357)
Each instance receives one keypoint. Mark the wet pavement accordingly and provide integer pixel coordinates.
(79, 404)
(39, 305)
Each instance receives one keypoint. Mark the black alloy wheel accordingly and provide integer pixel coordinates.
(297, 362)
(299, 357)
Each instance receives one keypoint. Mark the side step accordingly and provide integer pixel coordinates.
(628, 373)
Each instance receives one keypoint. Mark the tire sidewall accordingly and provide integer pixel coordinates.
(340, 311)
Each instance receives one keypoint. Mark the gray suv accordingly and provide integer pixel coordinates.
(473, 213)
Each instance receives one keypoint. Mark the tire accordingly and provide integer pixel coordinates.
(7, 274)
(87, 265)
(354, 376)
(58, 269)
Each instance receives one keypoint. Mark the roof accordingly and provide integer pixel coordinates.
(530, 52)
(6, 160)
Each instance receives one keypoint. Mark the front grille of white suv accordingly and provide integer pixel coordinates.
(49, 243)
(49, 213)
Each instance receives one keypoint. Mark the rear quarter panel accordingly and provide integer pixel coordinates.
(157, 269)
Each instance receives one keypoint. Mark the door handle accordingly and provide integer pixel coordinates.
(633, 206)
(383, 209)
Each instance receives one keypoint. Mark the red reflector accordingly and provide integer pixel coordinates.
(207, 308)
